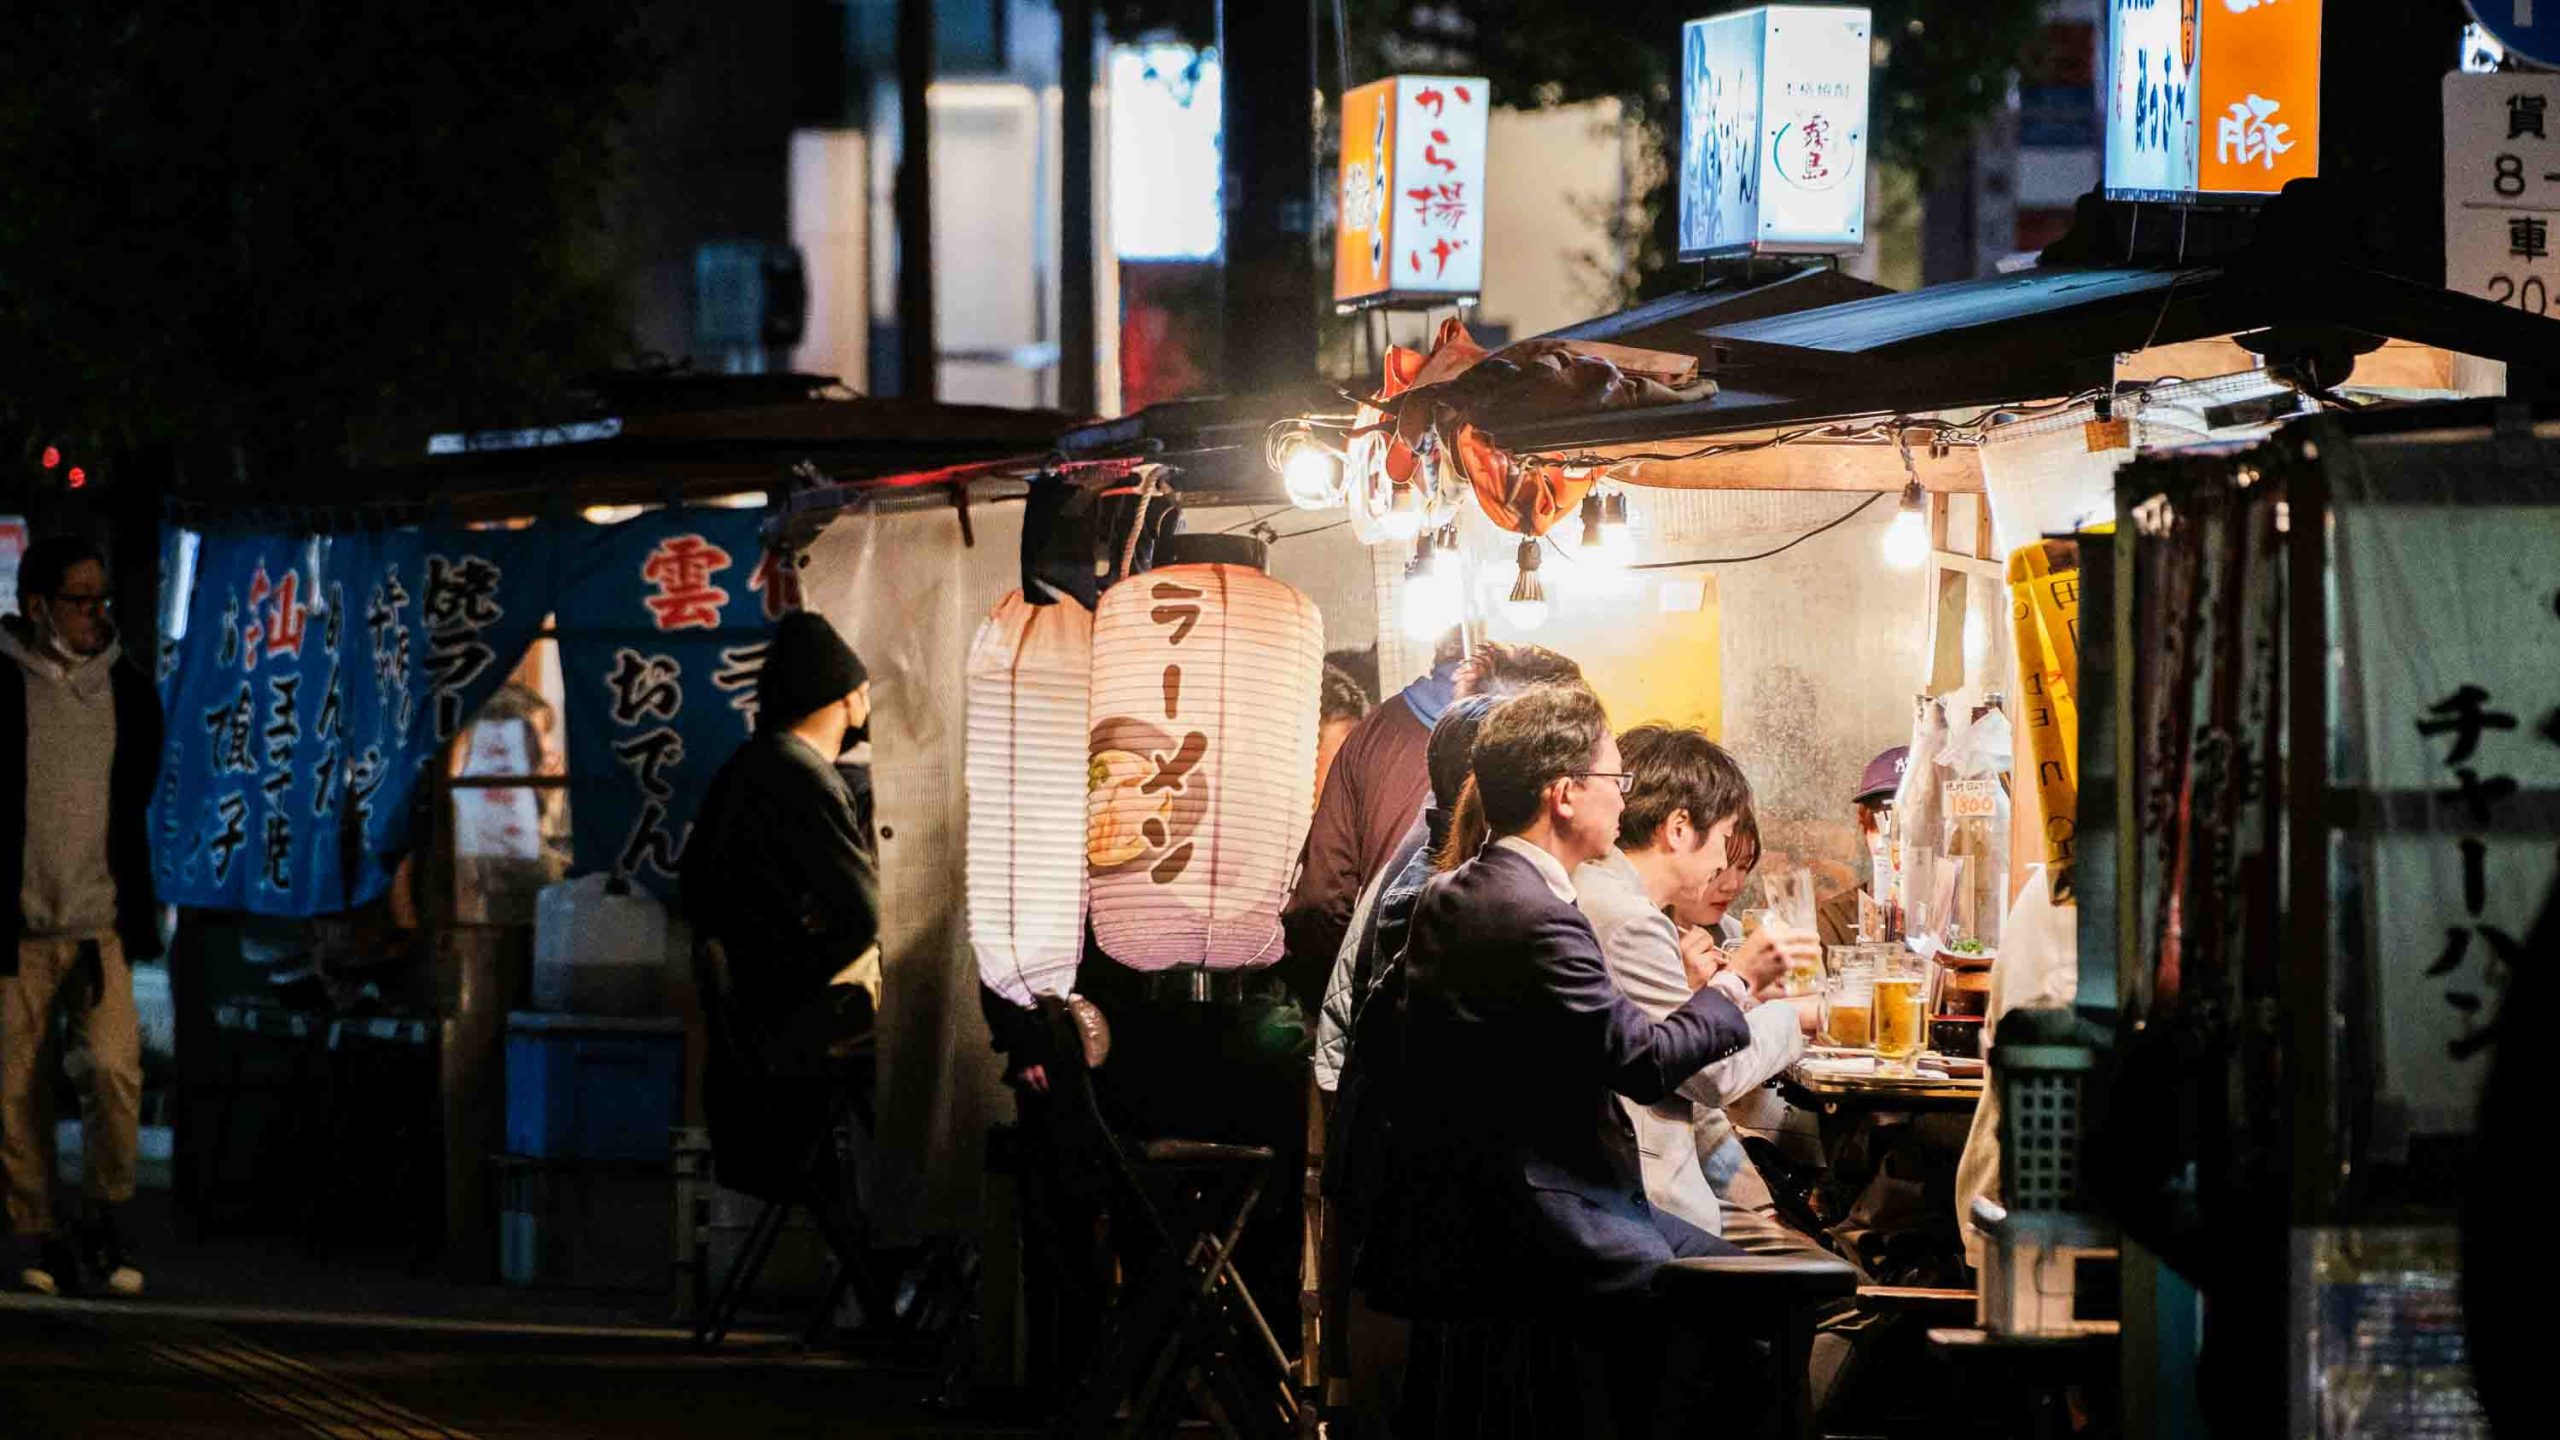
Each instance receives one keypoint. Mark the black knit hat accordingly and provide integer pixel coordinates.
(807, 668)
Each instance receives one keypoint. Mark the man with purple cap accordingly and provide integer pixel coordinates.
(1837, 918)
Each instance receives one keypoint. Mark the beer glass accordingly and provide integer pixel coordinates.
(1901, 1014)
(1848, 1003)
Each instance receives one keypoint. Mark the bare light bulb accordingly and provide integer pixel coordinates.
(1402, 519)
(1443, 565)
(1312, 477)
(1906, 540)
(1617, 540)
(1432, 599)
(1429, 608)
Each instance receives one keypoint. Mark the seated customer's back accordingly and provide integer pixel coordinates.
(1515, 1181)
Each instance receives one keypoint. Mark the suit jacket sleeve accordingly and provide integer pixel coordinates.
(1777, 1041)
(1643, 1058)
(1643, 952)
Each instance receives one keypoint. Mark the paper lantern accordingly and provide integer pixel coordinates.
(1203, 753)
(1030, 680)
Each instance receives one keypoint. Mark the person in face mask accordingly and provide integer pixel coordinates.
(79, 751)
(777, 875)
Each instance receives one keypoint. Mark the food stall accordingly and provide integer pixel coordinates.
(1821, 531)
(425, 724)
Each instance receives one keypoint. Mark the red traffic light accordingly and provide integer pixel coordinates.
(78, 477)
(52, 456)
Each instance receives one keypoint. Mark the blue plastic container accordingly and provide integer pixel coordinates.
(593, 1087)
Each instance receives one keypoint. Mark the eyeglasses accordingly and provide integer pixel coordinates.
(1626, 778)
(98, 604)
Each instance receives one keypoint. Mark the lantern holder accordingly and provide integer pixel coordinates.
(1201, 987)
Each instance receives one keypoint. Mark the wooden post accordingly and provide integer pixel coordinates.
(1076, 358)
(919, 356)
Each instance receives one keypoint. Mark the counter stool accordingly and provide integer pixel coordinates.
(1775, 1290)
(1183, 1322)
(819, 1194)
(820, 1185)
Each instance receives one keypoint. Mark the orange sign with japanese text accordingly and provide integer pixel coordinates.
(2258, 95)
(1368, 178)
(1411, 204)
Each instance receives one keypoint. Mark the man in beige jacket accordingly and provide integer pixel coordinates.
(1673, 841)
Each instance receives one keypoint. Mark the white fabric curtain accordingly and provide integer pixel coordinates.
(2044, 479)
(908, 595)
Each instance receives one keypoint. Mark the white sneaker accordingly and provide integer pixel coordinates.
(49, 1267)
(102, 1254)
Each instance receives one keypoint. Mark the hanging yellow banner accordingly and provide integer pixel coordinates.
(2044, 609)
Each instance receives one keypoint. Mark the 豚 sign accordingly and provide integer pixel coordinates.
(1411, 222)
(2502, 187)
(1773, 141)
(2211, 98)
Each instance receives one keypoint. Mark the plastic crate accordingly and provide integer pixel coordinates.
(2040, 1124)
(591, 1087)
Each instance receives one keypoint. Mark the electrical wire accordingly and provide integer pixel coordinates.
(1250, 521)
(1310, 530)
(1833, 524)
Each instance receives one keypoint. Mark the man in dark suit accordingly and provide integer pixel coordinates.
(1516, 1179)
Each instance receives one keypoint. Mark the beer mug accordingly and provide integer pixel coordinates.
(1848, 1009)
(1901, 1011)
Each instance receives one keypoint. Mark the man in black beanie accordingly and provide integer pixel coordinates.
(776, 875)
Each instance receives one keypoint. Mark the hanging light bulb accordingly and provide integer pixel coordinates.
(1592, 511)
(1906, 540)
(1431, 599)
(1402, 519)
(1310, 473)
(1526, 609)
(1617, 539)
(1445, 559)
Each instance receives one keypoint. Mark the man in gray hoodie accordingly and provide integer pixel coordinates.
(79, 751)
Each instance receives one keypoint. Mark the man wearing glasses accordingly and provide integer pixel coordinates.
(1512, 1146)
(79, 750)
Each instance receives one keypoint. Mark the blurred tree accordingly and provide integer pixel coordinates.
(1942, 65)
(255, 237)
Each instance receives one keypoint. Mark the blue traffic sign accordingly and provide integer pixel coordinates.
(2530, 28)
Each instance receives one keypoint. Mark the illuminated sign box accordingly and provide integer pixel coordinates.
(1773, 131)
(2211, 100)
(1166, 105)
(1410, 225)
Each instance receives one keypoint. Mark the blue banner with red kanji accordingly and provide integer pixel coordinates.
(664, 620)
(308, 680)
(311, 680)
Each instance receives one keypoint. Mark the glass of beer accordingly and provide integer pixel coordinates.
(1901, 1014)
(1848, 1008)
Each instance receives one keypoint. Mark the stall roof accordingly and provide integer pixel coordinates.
(2038, 334)
(656, 439)
(1216, 443)
(1681, 322)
